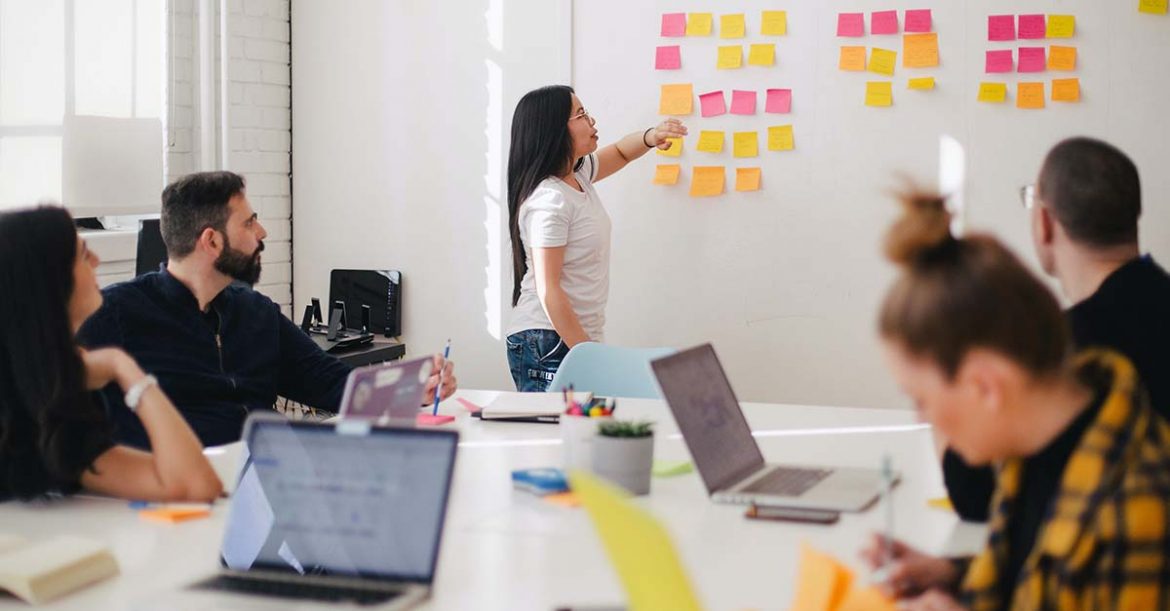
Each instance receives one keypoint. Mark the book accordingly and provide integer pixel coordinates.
(531, 405)
(41, 571)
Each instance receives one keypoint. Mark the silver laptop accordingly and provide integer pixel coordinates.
(387, 393)
(727, 456)
(341, 513)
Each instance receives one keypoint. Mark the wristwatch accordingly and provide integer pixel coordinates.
(135, 392)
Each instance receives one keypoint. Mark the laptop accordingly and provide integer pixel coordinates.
(386, 393)
(342, 513)
(727, 456)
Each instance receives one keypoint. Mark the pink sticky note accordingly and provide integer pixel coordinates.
(883, 22)
(743, 102)
(1032, 59)
(1001, 27)
(1033, 27)
(469, 406)
(667, 58)
(713, 103)
(435, 420)
(918, 20)
(999, 61)
(851, 24)
(779, 101)
(674, 24)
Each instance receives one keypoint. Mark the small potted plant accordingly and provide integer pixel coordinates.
(623, 453)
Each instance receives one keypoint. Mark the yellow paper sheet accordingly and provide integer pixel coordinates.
(920, 50)
(1062, 58)
(711, 141)
(746, 144)
(747, 179)
(677, 100)
(882, 61)
(1154, 7)
(644, 558)
(879, 93)
(822, 583)
(780, 138)
(706, 181)
(675, 150)
(762, 55)
(1066, 90)
(730, 57)
(852, 59)
(866, 599)
(1030, 95)
(699, 24)
(1062, 26)
(732, 26)
(993, 92)
(667, 174)
(774, 23)
(925, 83)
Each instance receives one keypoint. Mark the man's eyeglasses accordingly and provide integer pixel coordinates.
(1028, 196)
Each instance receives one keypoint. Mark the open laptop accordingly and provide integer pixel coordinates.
(385, 393)
(331, 514)
(727, 456)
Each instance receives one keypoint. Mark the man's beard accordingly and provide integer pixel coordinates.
(239, 265)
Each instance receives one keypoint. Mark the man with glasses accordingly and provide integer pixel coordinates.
(1084, 209)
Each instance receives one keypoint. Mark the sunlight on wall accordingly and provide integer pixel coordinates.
(493, 178)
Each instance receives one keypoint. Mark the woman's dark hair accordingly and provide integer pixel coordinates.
(541, 147)
(956, 294)
(44, 404)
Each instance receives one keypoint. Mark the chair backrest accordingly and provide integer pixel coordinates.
(610, 371)
(152, 252)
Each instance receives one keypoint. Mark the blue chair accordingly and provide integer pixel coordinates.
(610, 371)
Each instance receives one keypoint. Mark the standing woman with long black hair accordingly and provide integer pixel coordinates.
(560, 231)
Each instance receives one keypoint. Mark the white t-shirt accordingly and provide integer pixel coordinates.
(556, 215)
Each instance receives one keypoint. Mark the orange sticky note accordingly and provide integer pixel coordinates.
(667, 174)
(920, 50)
(866, 599)
(1062, 58)
(1062, 26)
(882, 61)
(173, 515)
(732, 26)
(676, 100)
(925, 83)
(1066, 90)
(747, 179)
(699, 24)
(1153, 7)
(993, 92)
(780, 138)
(564, 499)
(774, 23)
(822, 582)
(706, 181)
(730, 57)
(762, 55)
(852, 59)
(1030, 95)
(879, 93)
(745, 144)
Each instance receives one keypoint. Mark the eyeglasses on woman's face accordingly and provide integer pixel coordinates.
(582, 114)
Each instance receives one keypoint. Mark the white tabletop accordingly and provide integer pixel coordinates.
(505, 549)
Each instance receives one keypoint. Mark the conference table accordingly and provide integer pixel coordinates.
(508, 549)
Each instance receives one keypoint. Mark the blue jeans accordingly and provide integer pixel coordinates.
(534, 356)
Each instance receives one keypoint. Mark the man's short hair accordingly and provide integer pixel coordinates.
(1093, 190)
(194, 203)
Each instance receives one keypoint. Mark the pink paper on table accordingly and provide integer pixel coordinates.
(1001, 27)
(851, 24)
(668, 58)
(883, 22)
(713, 103)
(779, 101)
(674, 24)
(1032, 59)
(743, 102)
(1033, 27)
(469, 406)
(918, 20)
(999, 61)
(433, 420)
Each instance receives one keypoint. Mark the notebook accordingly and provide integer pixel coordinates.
(531, 406)
(41, 571)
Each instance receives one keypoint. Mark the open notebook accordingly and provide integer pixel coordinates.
(531, 406)
(41, 571)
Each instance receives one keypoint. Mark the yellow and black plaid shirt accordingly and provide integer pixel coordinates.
(1105, 544)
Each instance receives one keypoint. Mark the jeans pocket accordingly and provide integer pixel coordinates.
(549, 348)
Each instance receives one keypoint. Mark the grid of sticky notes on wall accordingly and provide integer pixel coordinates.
(1039, 51)
(917, 51)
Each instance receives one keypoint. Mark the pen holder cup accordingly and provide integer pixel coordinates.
(577, 436)
(625, 461)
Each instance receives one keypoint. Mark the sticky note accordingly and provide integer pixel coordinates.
(993, 92)
(1031, 60)
(745, 144)
(883, 22)
(174, 515)
(822, 582)
(699, 24)
(781, 138)
(1062, 58)
(676, 100)
(671, 468)
(1001, 27)
(779, 101)
(1154, 7)
(774, 23)
(1066, 90)
(925, 83)
(920, 50)
(941, 503)
(747, 179)
(730, 57)
(879, 93)
(882, 61)
(705, 181)
(1062, 26)
(667, 58)
(999, 61)
(852, 59)
(732, 26)
(711, 141)
(762, 55)
(562, 499)
(866, 599)
(674, 24)
(851, 24)
(919, 20)
(1029, 95)
(1032, 27)
(743, 102)
(712, 104)
(674, 150)
(667, 174)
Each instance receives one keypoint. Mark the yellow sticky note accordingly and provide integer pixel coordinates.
(866, 599)
(993, 92)
(941, 503)
(762, 55)
(675, 150)
(822, 582)
(705, 181)
(699, 24)
(732, 26)
(882, 61)
(711, 141)
(774, 23)
(667, 174)
(730, 57)
(780, 138)
(676, 100)
(747, 179)
(1066, 90)
(1030, 95)
(745, 144)
(925, 83)
(879, 93)
(920, 50)
(1062, 58)
(1062, 26)
(1154, 7)
(852, 59)
(639, 547)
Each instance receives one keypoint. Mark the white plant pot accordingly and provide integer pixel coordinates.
(577, 435)
(625, 461)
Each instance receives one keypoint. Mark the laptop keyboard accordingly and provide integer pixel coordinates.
(787, 481)
(297, 590)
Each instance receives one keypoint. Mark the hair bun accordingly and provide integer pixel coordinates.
(923, 228)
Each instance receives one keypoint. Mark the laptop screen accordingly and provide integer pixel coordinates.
(349, 500)
(712, 424)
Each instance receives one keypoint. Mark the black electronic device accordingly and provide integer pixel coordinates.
(334, 325)
(317, 319)
(381, 290)
(365, 318)
(340, 305)
(307, 320)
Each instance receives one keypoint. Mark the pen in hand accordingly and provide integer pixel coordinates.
(439, 386)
